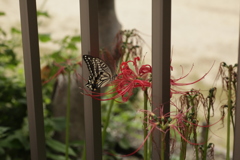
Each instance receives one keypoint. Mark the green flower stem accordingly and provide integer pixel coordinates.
(126, 42)
(207, 129)
(84, 152)
(235, 88)
(126, 59)
(184, 144)
(195, 141)
(145, 131)
(235, 93)
(68, 115)
(185, 132)
(150, 150)
(194, 127)
(107, 122)
(233, 123)
(125, 49)
(162, 145)
(229, 111)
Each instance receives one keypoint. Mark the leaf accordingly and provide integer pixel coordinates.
(55, 157)
(2, 32)
(15, 30)
(77, 143)
(2, 151)
(124, 143)
(76, 39)
(44, 37)
(71, 46)
(3, 129)
(59, 147)
(2, 13)
(44, 14)
(59, 123)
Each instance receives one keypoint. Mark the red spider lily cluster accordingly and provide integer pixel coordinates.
(128, 79)
(175, 121)
(133, 75)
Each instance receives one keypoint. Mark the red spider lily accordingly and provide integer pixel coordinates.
(174, 120)
(174, 82)
(127, 80)
(162, 123)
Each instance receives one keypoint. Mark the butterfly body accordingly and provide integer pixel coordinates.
(100, 73)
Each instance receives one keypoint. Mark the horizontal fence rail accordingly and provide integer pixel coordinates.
(33, 80)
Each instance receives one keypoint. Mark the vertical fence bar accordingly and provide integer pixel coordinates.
(161, 49)
(92, 108)
(33, 81)
(236, 154)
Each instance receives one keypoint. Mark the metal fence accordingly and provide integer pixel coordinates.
(161, 46)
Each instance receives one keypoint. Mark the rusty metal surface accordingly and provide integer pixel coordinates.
(33, 80)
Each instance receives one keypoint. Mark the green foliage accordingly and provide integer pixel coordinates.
(124, 127)
(44, 37)
(67, 48)
(43, 14)
(7, 54)
(2, 13)
(12, 95)
(14, 130)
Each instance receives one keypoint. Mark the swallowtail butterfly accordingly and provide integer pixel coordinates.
(100, 73)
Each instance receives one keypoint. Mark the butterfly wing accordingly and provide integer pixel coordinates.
(90, 64)
(100, 73)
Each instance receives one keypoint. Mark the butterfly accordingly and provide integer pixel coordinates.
(100, 73)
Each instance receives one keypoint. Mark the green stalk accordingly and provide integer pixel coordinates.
(184, 145)
(229, 111)
(84, 152)
(68, 115)
(145, 131)
(232, 120)
(185, 131)
(150, 150)
(162, 145)
(126, 41)
(235, 93)
(194, 127)
(107, 122)
(207, 129)
(195, 141)
(127, 56)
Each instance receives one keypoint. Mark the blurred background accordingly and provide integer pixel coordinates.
(202, 31)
